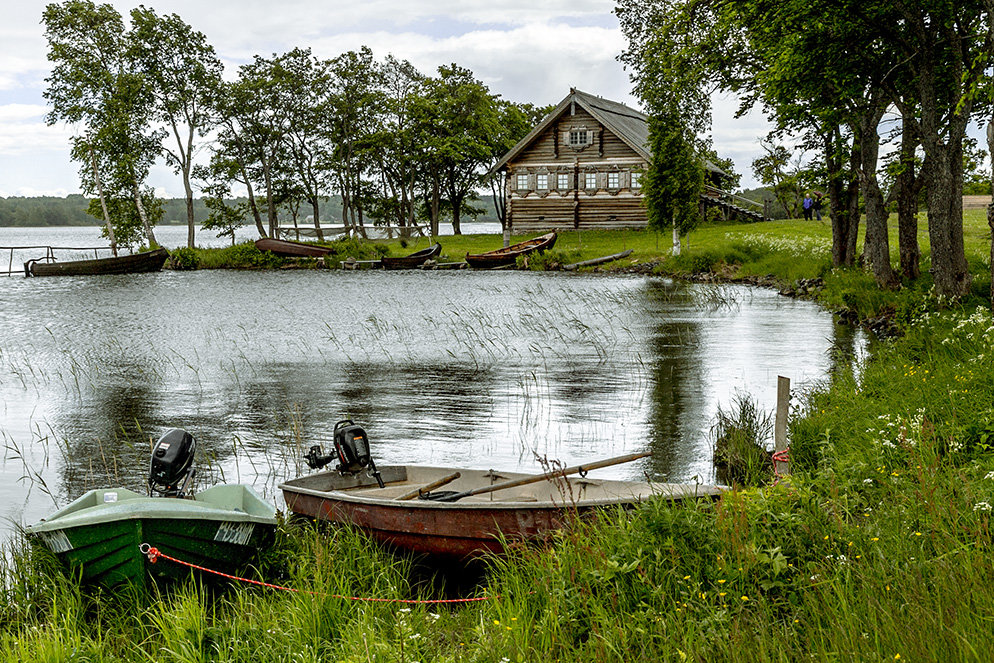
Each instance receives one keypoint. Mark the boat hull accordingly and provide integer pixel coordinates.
(509, 255)
(412, 261)
(137, 263)
(102, 542)
(474, 526)
(290, 249)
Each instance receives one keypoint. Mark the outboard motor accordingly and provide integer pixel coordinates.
(171, 470)
(351, 450)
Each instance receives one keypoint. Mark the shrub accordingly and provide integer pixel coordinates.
(184, 258)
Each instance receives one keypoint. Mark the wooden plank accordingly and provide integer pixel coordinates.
(598, 261)
(780, 424)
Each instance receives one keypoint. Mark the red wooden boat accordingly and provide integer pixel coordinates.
(509, 254)
(474, 524)
(136, 263)
(290, 249)
(413, 260)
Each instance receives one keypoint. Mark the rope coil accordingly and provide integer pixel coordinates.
(154, 554)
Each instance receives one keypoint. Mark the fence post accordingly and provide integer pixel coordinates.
(780, 424)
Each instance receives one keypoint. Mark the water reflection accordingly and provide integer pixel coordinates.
(462, 369)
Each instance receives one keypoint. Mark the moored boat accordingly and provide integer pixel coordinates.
(509, 254)
(106, 533)
(478, 512)
(136, 263)
(291, 249)
(413, 260)
(221, 528)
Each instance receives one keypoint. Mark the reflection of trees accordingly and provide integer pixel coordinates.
(679, 390)
(105, 435)
(847, 346)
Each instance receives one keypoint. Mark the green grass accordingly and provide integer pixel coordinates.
(876, 549)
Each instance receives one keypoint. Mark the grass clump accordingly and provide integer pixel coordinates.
(739, 437)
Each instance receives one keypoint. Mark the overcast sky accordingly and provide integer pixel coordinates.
(524, 50)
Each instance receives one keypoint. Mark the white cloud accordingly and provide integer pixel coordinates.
(23, 131)
(526, 51)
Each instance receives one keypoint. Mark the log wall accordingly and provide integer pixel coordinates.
(612, 202)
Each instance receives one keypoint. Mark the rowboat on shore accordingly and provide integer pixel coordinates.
(136, 263)
(479, 511)
(509, 254)
(101, 532)
(291, 249)
(413, 260)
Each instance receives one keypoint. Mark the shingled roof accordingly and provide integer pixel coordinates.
(630, 125)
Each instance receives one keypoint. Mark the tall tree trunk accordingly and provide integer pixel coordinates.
(990, 206)
(908, 186)
(676, 238)
(270, 204)
(852, 203)
(317, 218)
(944, 183)
(253, 205)
(149, 235)
(103, 200)
(191, 221)
(456, 207)
(876, 247)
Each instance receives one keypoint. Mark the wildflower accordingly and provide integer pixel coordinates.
(745, 598)
(989, 475)
(982, 506)
(867, 480)
(876, 538)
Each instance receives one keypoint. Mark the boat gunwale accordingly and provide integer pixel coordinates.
(645, 491)
(164, 508)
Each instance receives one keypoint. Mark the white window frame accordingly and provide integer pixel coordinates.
(614, 180)
(542, 182)
(590, 180)
(563, 182)
(521, 182)
(579, 138)
(635, 180)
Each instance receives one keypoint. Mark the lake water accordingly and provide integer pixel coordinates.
(469, 369)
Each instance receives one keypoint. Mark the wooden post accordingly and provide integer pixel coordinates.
(780, 424)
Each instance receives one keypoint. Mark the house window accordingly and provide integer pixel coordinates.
(636, 180)
(590, 180)
(579, 138)
(542, 182)
(613, 180)
(522, 183)
(563, 183)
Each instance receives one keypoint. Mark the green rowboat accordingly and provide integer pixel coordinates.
(100, 533)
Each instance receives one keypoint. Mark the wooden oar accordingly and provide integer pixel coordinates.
(432, 486)
(617, 460)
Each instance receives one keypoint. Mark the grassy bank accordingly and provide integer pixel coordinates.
(877, 548)
(778, 253)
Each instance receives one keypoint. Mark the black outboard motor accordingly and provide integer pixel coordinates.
(351, 450)
(171, 470)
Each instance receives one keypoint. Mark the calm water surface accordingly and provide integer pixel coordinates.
(482, 370)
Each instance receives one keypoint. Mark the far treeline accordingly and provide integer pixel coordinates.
(41, 211)
(831, 75)
(395, 146)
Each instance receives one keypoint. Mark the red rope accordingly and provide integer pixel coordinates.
(782, 456)
(154, 554)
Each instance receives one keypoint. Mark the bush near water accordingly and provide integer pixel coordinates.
(877, 548)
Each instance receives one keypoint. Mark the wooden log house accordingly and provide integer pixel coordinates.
(581, 168)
